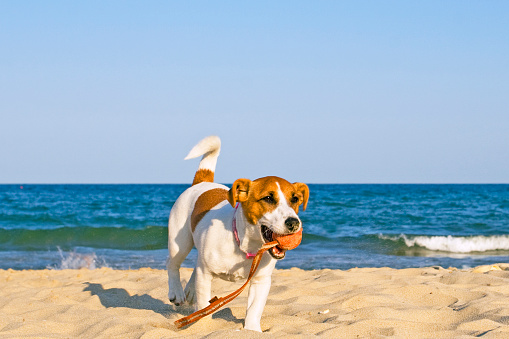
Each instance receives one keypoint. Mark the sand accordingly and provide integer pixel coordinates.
(361, 302)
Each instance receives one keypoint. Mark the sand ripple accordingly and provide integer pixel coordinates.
(367, 302)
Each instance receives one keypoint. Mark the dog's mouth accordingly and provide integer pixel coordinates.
(276, 252)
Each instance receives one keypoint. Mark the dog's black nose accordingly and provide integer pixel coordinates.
(292, 224)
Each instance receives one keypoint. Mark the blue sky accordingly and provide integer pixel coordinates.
(313, 91)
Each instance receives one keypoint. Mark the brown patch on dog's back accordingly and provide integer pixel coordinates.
(203, 175)
(205, 203)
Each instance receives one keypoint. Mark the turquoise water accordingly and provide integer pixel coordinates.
(345, 226)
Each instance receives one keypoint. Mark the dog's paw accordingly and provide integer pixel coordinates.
(177, 297)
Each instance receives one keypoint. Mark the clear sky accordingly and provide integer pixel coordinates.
(313, 91)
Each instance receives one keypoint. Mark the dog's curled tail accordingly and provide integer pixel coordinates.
(209, 148)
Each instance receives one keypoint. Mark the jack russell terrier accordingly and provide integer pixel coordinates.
(228, 226)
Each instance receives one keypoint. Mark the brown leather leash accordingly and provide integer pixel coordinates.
(216, 303)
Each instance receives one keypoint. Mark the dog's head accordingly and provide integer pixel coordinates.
(271, 204)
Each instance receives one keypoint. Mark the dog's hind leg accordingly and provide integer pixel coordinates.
(190, 290)
(180, 243)
(203, 284)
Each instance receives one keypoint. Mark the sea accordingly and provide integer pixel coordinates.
(345, 226)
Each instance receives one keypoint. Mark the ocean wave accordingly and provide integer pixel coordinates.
(74, 260)
(454, 244)
(120, 238)
(147, 238)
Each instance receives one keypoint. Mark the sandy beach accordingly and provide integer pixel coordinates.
(361, 302)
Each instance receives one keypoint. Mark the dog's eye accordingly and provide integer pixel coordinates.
(294, 199)
(270, 199)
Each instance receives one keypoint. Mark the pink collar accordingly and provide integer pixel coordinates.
(236, 234)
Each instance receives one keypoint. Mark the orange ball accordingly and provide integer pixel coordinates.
(288, 241)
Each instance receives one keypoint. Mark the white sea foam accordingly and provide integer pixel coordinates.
(455, 244)
(74, 260)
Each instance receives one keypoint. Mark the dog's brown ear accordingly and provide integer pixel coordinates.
(304, 190)
(239, 191)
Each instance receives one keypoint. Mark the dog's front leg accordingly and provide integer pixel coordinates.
(203, 286)
(257, 297)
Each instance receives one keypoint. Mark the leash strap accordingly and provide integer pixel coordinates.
(216, 303)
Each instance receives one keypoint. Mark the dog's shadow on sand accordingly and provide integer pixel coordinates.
(119, 297)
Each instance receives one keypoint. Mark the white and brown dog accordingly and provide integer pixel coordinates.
(228, 226)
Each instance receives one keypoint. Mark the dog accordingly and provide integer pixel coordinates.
(228, 226)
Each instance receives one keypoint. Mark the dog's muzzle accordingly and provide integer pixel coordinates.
(276, 252)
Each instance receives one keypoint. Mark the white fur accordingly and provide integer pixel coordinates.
(210, 148)
(218, 253)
